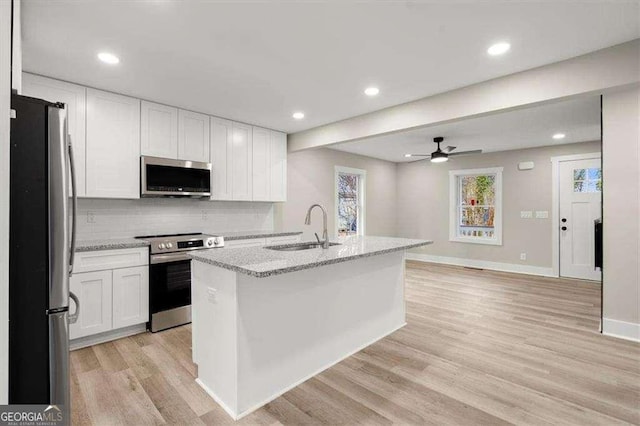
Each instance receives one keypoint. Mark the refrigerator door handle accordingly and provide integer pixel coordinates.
(59, 362)
(58, 209)
(73, 318)
(74, 207)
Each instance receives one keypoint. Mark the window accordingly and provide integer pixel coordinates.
(476, 206)
(350, 190)
(587, 180)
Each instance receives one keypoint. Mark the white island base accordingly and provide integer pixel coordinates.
(256, 338)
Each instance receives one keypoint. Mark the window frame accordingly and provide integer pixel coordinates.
(362, 185)
(454, 219)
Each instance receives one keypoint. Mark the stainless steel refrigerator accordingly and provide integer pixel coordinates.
(41, 239)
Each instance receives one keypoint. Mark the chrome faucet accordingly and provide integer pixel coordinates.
(325, 236)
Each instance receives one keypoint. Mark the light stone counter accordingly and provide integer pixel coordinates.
(263, 262)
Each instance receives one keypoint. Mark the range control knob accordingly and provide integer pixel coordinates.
(216, 241)
(161, 246)
(169, 245)
(210, 243)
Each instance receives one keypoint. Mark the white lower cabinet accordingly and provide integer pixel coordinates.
(130, 296)
(94, 290)
(113, 290)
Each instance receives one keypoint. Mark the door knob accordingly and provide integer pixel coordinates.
(564, 228)
(564, 220)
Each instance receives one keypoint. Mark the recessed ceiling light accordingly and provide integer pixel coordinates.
(371, 91)
(407, 155)
(108, 58)
(298, 115)
(498, 48)
(559, 136)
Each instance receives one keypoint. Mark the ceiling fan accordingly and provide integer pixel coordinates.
(442, 155)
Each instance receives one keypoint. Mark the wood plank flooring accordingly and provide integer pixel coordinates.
(480, 347)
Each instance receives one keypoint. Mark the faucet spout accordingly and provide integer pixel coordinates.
(325, 234)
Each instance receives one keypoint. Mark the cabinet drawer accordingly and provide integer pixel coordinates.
(288, 239)
(253, 242)
(110, 259)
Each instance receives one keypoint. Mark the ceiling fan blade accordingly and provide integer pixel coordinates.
(419, 155)
(455, 154)
(448, 149)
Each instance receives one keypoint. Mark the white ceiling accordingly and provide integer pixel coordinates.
(530, 127)
(259, 61)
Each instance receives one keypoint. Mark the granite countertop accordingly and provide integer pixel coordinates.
(110, 244)
(246, 235)
(262, 262)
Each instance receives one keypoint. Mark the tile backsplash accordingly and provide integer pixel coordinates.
(102, 218)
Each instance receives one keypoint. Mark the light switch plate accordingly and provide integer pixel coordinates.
(542, 214)
(212, 294)
(526, 214)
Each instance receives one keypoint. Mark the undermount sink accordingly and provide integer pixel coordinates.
(299, 246)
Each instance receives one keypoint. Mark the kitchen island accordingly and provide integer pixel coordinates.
(264, 320)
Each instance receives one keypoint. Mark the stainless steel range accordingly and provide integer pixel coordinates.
(170, 276)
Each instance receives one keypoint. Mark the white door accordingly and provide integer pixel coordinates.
(241, 162)
(113, 145)
(261, 164)
(74, 97)
(130, 296)
(221, 140)
(580, 205)
(158, 130)
(278, 166)
(94, 293)
(193, 136)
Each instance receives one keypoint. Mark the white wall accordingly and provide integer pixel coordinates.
(621, 191)
(311, 179)
(5, 104)
(423, 205)
(153, 216)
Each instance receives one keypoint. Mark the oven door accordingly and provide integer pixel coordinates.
(169, 290)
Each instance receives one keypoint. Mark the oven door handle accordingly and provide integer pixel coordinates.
(169, 257)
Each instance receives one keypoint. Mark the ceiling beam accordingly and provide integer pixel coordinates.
(594, 73)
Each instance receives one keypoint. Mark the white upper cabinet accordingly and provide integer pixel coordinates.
(241, 162)
(278, 167)
(113, 145)
(158, 130)
(193, 136)
(261, 164)
(221, 140)
(74, 97)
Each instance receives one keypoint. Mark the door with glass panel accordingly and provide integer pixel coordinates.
(580, 206)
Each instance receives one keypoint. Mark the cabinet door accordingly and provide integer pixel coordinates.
(221, 140)
(193, 136)
(278, 166)
(130, 296)
(94, 291)
(113, 145)
(74, 98)
(158, 130)
(241, 163)
(261, 171)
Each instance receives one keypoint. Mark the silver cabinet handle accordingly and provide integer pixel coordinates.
(74, 207)
(74, 317)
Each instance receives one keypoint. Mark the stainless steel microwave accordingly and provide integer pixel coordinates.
(166, 177)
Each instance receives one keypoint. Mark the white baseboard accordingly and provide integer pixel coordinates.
(621, 329)
(213, 395)
(107, 336)
(483, 264)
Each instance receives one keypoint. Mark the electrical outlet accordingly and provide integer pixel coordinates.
(528, 214)
(212, 295)
(523, 256)
(91, 217)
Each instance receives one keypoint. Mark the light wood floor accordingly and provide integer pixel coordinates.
(480, 347)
